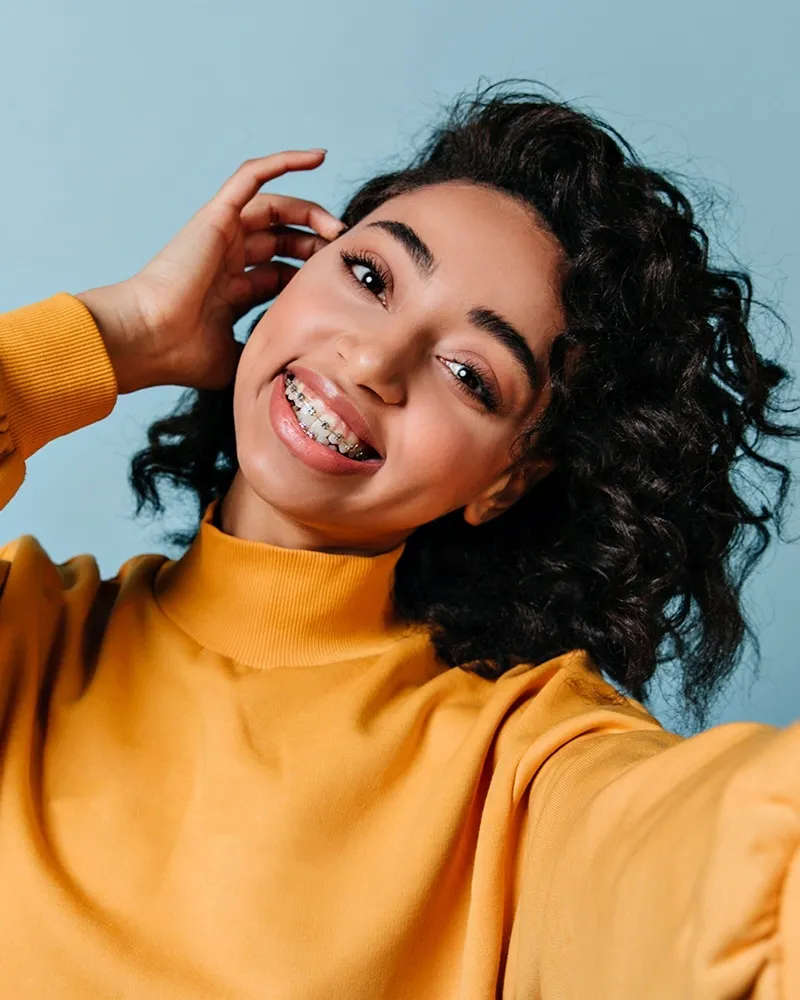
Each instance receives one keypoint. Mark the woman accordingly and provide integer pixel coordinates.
(356, 741)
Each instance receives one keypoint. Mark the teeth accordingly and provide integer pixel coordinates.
(325, 427)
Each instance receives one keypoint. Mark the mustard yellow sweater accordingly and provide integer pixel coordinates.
(230, 777)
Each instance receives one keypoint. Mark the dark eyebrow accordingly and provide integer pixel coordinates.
(485, 319)
(510, 337)
(417, 249)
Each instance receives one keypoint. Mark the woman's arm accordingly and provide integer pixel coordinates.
(55, 377)
(63, 361)
(664, 871)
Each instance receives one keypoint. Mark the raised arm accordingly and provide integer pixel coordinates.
(63, 361)
(55, 376)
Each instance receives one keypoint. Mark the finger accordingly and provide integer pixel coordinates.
(281, 241)
(266, 210)
(252, 174)
(261, 283)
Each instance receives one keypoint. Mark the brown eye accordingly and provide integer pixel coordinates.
(366, 272)
(469, 379)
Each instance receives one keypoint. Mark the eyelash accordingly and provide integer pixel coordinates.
(486, 393)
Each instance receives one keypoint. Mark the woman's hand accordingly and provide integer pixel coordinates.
(172, 323)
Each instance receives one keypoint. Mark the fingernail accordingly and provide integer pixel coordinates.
(318, 149)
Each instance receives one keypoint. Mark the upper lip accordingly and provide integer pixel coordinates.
(328, 392)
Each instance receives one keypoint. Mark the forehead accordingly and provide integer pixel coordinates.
(490, 249)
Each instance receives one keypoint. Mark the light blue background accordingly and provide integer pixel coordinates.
(118, 120)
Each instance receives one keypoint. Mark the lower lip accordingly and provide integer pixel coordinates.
(312, 453)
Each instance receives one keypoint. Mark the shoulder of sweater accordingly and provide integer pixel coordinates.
(25, 564)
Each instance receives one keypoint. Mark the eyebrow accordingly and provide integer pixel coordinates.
(481, 317)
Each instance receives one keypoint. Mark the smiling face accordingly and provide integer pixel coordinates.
(432, 318)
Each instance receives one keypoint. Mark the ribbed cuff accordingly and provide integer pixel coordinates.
(56, 373)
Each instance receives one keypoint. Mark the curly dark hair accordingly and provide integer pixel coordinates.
(636, 547)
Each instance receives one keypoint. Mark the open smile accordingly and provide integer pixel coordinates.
(323, 457)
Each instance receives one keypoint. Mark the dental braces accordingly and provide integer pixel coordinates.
(300, 398)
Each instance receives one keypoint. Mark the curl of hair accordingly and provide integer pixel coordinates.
(636, 547)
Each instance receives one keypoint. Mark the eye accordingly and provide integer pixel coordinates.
(470, 379)
(370, 275)
(366, 271)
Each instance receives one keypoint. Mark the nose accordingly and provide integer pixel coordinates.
(380, 360)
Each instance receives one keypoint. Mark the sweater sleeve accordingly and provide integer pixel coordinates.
(55, 377)
(663, 867)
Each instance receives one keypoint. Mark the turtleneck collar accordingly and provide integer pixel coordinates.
(264, 605)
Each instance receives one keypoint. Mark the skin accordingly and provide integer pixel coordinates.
(443, 450)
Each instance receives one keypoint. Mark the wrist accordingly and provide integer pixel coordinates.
(125, 334)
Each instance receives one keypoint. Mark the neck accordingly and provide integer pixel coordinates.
(266, 605)
(244, 514)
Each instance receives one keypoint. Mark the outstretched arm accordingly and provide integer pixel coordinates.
(664, 871)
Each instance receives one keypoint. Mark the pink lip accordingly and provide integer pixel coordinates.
(330, 393)
(312, 453)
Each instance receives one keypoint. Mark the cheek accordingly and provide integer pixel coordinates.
(278, 337)
(292, 326)
(308, 309)
(455, 454)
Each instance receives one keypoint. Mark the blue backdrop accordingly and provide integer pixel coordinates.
(118, 120)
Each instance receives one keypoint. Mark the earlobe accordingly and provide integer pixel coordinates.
(474, 514)
(491, 504)
(504, 493)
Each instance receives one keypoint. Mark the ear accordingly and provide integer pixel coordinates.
(505, 491)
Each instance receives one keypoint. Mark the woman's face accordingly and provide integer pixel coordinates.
(432, 319)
